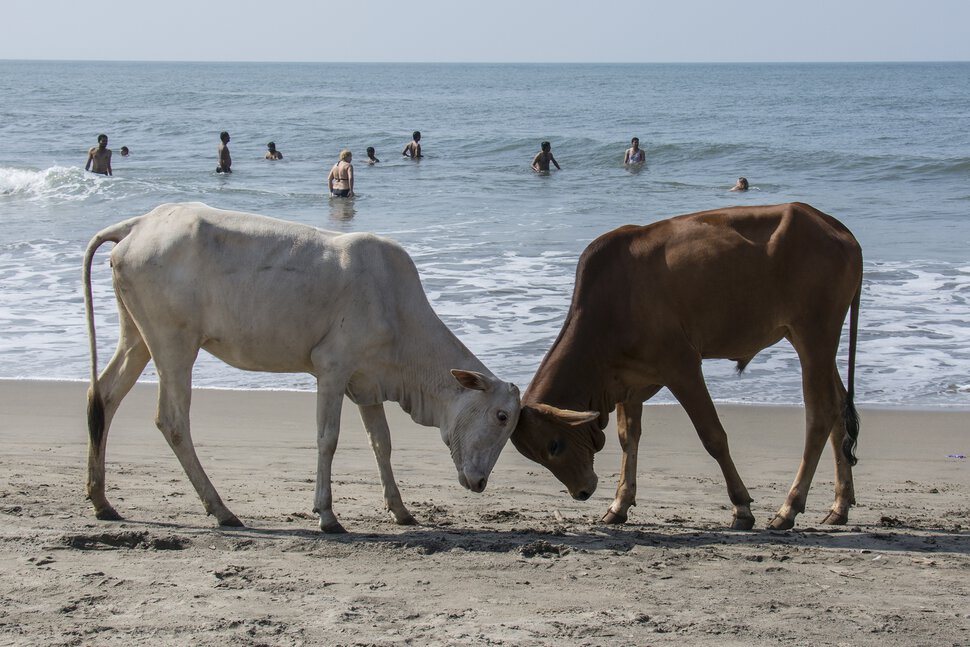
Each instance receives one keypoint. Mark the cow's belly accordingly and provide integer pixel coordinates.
(268, 356)
(740, 344)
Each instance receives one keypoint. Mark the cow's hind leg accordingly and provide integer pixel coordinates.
(172, 419)
(844, 488)
(114, 383)
(628, 426)
(821, 388)
(375, 422)
(691, 391)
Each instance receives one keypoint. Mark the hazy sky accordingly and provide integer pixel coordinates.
(486, 30)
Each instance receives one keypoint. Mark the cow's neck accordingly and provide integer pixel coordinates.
(427, 387)
(572, 379)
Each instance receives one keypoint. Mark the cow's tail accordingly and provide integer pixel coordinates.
(114, 234)
(849, 414)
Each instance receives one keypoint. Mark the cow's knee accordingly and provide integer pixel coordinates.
(716, 444)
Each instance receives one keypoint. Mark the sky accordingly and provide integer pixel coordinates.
(499, 31)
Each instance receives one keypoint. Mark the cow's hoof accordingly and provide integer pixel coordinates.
(108, 514)
(333, 528)
(742, 523)
(614, 517)
(781, 523)
(834, 518)
(232, 521)
(406, 520)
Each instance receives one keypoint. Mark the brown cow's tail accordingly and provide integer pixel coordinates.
(849, 414)
(114, 233)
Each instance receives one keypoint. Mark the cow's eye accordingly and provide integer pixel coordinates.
(502, 417)
(555, 448)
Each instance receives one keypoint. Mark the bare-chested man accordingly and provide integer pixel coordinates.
(540, 163)
(225, 160)
(99, 157)
(413, 147)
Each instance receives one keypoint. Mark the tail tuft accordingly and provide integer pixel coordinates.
(95, 417)
(851, 418)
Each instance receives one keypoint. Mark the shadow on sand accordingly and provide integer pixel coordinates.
(589, 538)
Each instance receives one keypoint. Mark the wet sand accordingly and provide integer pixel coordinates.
(520, 564)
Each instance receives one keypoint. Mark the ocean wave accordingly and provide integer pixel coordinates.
(55, 183)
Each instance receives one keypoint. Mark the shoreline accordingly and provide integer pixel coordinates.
(921, 408)
(520, 564)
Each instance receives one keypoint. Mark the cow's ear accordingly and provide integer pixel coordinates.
(470, 379)
(566, 416)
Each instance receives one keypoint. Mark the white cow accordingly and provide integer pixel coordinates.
(268, 295)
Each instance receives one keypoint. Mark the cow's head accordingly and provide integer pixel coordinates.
(564, 442)
(480, 421)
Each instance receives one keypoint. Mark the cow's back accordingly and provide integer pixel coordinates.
(728, 279)
(260, 291)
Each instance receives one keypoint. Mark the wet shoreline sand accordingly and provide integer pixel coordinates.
(520, 564)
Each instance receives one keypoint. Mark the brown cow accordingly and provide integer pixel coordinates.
(651, 302)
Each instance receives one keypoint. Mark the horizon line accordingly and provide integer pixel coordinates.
(418, 62)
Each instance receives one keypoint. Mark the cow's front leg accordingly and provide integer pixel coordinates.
(691, 391)
(375, 422)
(329, 402)
(628, 424)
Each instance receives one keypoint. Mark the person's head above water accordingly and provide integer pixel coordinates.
(224, 136)
(102, 140)
(546, 147)
(416, 135)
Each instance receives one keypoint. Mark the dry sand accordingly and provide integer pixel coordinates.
(521, 564)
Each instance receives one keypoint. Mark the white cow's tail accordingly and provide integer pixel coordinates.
(114, 234)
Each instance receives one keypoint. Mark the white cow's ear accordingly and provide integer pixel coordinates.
(470, 379)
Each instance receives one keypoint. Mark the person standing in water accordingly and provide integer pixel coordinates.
(225, 159)
(634, 154)
(272, 153)
(99, 157)
(413, 148)
(341, 178)
(540, 163)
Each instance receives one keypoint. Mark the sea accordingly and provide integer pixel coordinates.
(885, 148)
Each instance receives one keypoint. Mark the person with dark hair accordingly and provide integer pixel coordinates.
(225, 159)
(272, 153)
(413, 148)
(124, 151)
(741, 185)
(371, 156)
(99, 157)
(634, 154)
(540, 163)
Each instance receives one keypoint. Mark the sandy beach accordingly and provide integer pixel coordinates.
(520, 564)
